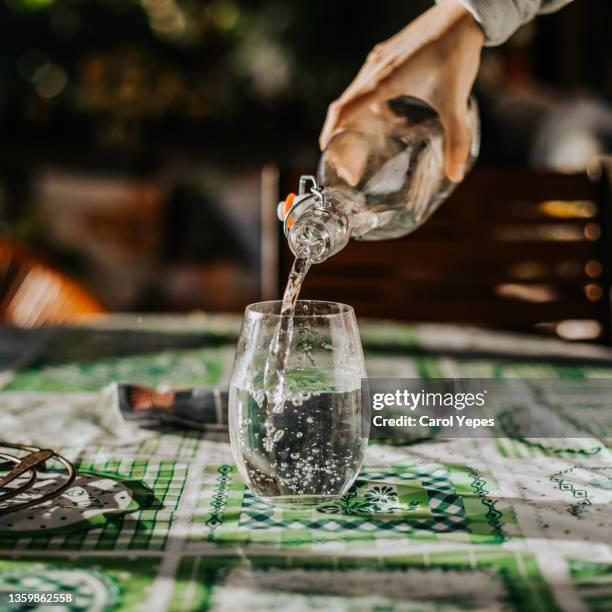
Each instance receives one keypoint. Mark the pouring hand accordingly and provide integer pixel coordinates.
(435, 58)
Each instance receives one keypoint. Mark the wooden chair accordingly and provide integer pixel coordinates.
(517, 250)
(34, 294)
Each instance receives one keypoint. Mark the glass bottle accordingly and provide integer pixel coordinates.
(380, 180)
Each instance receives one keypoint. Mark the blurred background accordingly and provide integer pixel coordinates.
(143, 146)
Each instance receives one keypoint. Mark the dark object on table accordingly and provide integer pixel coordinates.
(10, 497)
(202, 409)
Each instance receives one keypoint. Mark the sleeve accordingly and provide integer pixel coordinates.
(499, 19)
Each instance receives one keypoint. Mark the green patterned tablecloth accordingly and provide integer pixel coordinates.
(162, 521)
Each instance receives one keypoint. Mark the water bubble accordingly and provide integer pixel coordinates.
(259, 397)
(278, 434)
(299, 434)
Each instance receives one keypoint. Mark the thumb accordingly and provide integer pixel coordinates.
(456, 144)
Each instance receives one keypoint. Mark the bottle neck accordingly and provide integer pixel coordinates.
(316, 228)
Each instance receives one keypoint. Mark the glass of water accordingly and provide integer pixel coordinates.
(297, 425)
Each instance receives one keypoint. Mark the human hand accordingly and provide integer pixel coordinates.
(435, 58)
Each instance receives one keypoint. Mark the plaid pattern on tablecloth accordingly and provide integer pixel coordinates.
(480, 524)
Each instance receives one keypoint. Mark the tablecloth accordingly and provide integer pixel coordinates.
(160, 520)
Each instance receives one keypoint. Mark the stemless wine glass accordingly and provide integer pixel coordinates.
(299, 438)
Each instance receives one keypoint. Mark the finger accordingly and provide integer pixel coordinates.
(331, 122)
(456, 144)
(378, 65)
